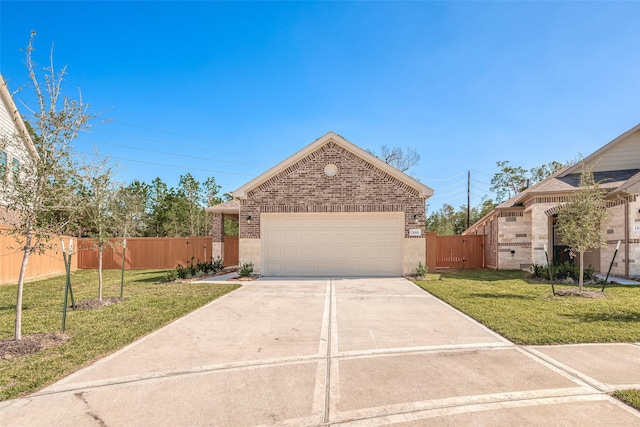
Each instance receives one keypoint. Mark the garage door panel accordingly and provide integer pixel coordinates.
(336, 244)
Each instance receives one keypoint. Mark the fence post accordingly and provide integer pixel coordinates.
(124, 251)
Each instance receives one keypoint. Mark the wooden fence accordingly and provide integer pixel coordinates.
(40, 266)
(145, 252)
(231, 251)
(455, 251)
(460, 251)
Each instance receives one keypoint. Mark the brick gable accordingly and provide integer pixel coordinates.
(359, 186)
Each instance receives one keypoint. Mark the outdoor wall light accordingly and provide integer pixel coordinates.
(415, 218)
(249, 219)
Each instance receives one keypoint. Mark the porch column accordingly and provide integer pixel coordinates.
(217, 234)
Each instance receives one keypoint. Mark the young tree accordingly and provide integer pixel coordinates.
(580, 218)
(99, 199)
(130, 209)
(192, 192)
(41, 202)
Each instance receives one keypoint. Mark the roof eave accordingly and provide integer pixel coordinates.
(17, 118)
(241, 192)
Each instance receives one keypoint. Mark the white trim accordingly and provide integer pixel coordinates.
(241, 192)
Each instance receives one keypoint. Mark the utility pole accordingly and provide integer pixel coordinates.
(468, 199)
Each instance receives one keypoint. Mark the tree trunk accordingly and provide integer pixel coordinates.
(581, 280)
(23, 269)
(100, 273)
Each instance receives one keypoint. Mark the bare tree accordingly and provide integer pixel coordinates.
(42, 202)
(399, 158)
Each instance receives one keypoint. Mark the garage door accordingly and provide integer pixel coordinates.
(332, 244)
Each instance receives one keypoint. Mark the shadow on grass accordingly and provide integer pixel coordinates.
(482, 274)
(152, 279)
(632, 316)
(502, 296)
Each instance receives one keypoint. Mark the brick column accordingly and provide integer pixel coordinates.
(217, 234)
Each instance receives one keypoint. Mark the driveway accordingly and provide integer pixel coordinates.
(348, 352)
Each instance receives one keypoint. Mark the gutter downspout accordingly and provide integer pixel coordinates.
(626, 234)
(626, 237)
(495, 239)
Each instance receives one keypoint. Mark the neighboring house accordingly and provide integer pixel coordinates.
(16, 147)
(517, 230)
(331, 209)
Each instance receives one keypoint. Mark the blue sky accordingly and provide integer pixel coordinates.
(229, 89)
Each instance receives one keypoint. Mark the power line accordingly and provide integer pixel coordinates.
(162, 152)
(482, 173)
(168, 166)
(168, 132)
(442, 179)
(158, 141)
(450, 186)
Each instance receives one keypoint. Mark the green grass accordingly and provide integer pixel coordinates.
(93, 333)
(526, 312)
(630, 397)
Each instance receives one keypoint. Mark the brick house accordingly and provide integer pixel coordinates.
(517, 230)
(331, 209)
(16, 147)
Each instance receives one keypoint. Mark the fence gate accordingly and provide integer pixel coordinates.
(231, 251)
(460, 251)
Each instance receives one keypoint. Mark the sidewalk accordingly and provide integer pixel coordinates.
(618, 280)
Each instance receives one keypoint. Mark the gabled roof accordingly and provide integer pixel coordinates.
(230, 207)
(622, 153)
(616, 167)
(337, 139)
(7, 99)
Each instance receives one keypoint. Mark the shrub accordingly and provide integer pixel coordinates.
(182, 272)
(246, 269)
(421, 270)
(565, 273)
(171, 275)
(217, 264)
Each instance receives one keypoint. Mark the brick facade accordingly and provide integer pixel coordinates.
(330, 175)
(359, 186)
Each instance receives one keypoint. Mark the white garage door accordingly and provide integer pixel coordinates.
(332, 244)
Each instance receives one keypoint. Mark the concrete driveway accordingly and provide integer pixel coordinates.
(348, 352)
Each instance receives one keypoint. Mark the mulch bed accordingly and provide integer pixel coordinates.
(243, 278)
(30, 344)
(90, 304)
(575, 292)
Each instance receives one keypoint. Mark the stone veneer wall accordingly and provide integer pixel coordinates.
(414, 253)
(614, 231)
(250, 251)
(634, 236)
(514, 240)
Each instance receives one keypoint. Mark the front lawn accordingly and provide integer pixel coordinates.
(526, 312)
(92, 333)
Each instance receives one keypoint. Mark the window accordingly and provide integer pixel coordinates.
(15, 166)
(3, 164)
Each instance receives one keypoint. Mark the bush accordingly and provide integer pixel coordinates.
(171, 275)
(198, 269)
(565, 272)
(421, 270)
(182, 272)
(217, 264)
(246, 269)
